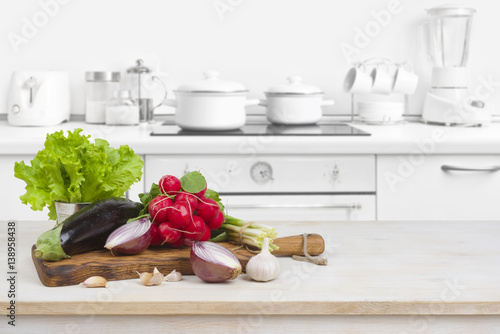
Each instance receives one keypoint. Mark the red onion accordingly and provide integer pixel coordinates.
(131, 238)
(213, 263)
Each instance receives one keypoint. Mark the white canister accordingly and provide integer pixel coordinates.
(294, 103)
(99, 88)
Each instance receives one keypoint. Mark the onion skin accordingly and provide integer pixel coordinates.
(208, 268)
(136, 246)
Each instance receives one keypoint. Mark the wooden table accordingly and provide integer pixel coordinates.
(382, 277)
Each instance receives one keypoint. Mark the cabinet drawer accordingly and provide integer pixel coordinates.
(451, 187)
(272, 174)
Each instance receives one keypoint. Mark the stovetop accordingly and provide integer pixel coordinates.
(258, 126)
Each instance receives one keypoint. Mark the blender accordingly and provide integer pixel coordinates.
(448, 101)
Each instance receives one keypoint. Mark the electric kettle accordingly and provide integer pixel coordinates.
(38, 98)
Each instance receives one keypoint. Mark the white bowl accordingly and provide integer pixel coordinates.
(381, 105)
(381, 115)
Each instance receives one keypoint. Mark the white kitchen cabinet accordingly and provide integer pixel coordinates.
(12, 188)
(282, 187)
(440, 187)
(264, 174)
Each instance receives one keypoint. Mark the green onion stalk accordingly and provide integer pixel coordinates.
(253, 235)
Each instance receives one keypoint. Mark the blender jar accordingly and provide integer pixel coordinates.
(449, 35)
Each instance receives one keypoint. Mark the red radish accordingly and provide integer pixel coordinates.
(217, 221)
(180, 215)
(207, 209)
(201, 193)
(195, 229)
(168, 233)
(169, 185)
(156, 238)
(178, 244)
(187, 197)
(206, 236)
(159, 208)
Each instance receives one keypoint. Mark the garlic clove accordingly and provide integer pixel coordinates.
(174, 276)
(95, 282)
(150, 279)
(145, 277)
(264, 266)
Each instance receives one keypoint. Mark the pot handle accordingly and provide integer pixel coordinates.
(170, 103)
(252, 102)
(327, 103)
(263, 103)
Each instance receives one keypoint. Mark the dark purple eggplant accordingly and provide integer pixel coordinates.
(87, 229)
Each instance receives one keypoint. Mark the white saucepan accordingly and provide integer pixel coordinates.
(294, 103)
(211, 104)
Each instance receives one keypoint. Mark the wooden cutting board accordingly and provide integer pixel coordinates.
(79, 267)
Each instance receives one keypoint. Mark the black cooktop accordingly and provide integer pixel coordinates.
(331, 129)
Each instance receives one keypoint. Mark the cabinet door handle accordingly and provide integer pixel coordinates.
(448, 168)
(347, 206)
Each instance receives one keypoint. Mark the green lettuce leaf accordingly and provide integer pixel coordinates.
(73, 169)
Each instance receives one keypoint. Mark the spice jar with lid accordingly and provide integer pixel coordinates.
(122, 110)
(99, 88)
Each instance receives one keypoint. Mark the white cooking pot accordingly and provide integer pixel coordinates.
(211, 104)
(294, 103)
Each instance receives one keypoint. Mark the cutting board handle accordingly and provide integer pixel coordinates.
(294, 245)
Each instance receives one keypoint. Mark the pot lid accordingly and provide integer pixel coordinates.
(451, 10)
(294, 86)
(212, 84)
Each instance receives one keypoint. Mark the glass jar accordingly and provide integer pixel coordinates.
(122, 110)
(99, 88)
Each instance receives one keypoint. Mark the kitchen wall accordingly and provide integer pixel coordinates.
(257, 42)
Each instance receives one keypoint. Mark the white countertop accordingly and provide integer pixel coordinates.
(384, 277)
(409, 138)
(384, 268)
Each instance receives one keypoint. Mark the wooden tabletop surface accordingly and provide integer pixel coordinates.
(375, 268)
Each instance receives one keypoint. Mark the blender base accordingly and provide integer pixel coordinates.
(449, 112)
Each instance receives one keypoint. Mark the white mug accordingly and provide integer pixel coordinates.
(358, 81)
(405, 81)
(382, 80)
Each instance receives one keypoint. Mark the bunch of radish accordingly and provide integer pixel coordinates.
(182, 211)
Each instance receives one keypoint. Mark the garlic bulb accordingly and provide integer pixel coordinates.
(263, 266)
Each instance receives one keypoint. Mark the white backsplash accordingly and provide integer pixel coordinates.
(256, 42)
